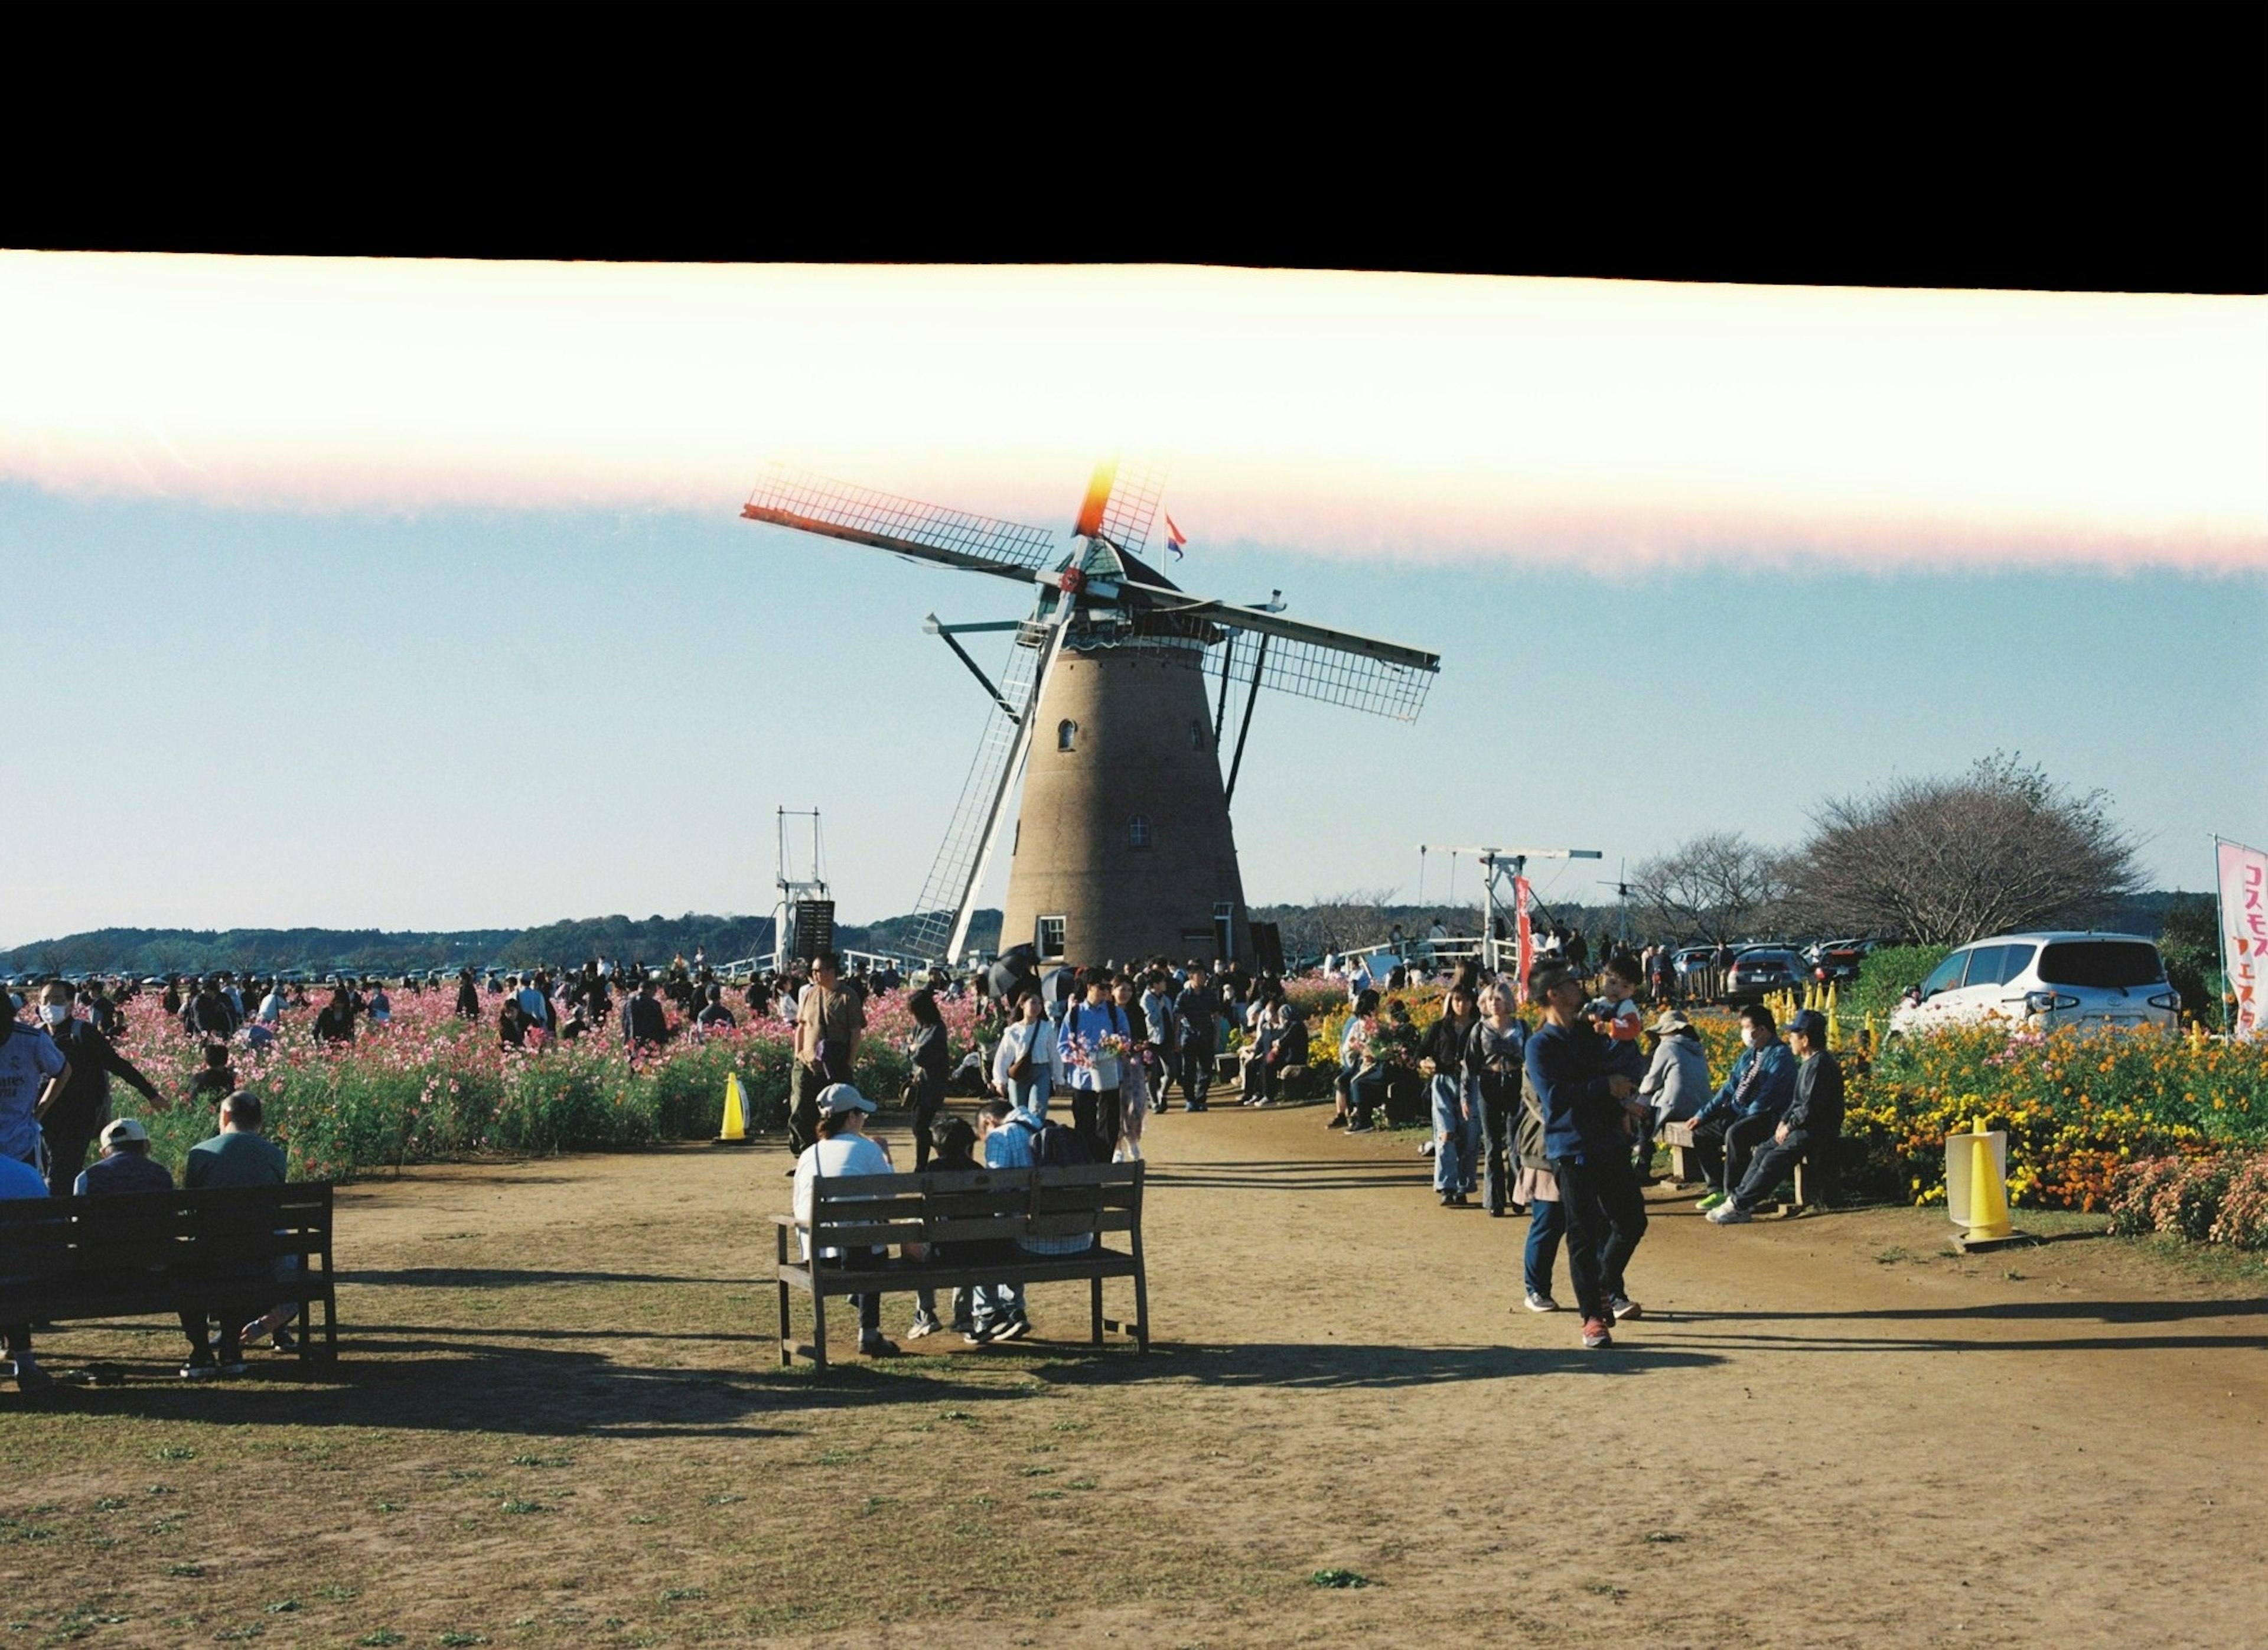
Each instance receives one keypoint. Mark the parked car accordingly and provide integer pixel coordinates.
(1762, 969)
(2040, 981)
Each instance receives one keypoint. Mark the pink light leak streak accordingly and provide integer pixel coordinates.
(1619, 427)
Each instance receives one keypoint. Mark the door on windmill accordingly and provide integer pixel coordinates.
(1050, 937)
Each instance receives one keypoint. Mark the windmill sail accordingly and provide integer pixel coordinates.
(1311, 661)
(948, 894)
(796, 499)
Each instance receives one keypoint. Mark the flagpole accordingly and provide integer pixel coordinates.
(2220, 920)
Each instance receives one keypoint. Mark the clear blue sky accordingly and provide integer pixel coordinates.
(459, 718)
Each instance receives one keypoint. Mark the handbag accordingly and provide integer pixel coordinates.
(1019, 1069)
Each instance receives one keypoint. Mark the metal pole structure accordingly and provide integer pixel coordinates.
(1518, 858)
(1007, 785)
(1245, 728)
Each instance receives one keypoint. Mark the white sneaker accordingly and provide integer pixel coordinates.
(1728, 1213)
(1541, 1303)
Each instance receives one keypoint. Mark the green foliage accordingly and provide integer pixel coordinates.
(1884, 976)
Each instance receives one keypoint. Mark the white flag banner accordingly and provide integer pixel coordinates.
(2244, 933)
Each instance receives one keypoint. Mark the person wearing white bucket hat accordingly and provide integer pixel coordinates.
(844, 1148)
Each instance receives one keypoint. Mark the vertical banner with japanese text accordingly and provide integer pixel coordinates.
(2244, 933)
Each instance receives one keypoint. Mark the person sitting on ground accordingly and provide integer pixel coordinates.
(645, 1025)
(217, 1081)
(1675, 1085)
(239, 1155)
(1810, 1124)
(1741, 1115)
(336, 1023)
(953, 1152)
(125, 1164)
(714, 1016)
(1008, 1136)
(843, 1147)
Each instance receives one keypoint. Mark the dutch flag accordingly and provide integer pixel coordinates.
(1176, 539)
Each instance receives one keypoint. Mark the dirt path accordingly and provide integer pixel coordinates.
(561, 1422)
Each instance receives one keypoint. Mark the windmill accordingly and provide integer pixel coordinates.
(1124, 848)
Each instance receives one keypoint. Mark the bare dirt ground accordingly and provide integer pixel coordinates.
(559, 1419)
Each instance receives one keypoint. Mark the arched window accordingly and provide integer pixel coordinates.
(1066, 734)
(1196, 734)
(1138, 831)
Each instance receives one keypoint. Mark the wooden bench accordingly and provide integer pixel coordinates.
(1817, 1180)
(859, 1212)
(133, 1254)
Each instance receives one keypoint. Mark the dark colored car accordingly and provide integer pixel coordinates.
(1763, 970)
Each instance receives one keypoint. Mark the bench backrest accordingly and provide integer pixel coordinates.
(143, 1231)
(863, 1210)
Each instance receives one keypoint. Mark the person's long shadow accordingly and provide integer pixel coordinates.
(422, 1380)
(516, 1277)
(2014, 1313)
(1329, 1366)
(1295, 1174)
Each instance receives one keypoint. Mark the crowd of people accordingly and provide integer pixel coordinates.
(1560, 1116)
(55, 1109)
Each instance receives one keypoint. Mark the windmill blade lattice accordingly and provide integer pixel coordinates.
(964, 838)
(1309, 669)
(1134, 496)
(798, 498)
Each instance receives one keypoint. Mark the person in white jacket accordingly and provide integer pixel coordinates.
(1029, 1042)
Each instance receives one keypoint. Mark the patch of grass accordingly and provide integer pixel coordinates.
(1891, 1256)
(1662, 1537)
(1082, 1484)
(1038, 1472)
(718, 1500)
(376, 1638)
(837, 1458)
(282, 1607)
(452, 1638)
(671, 1596)
(517, 1505)
(110, 1504)
(1338, 1578)
(1608, 1589)
(543, 1461)
(177, 1452)
(189, 1570)
(337, 1593)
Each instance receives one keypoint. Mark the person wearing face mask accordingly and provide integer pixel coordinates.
(1741, 1115)
(31, 1070)
(75, 1108)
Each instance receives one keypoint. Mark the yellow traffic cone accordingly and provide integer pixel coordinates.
(735, 1132)
(1982, 1209)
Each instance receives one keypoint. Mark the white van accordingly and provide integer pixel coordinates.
(2039, 981)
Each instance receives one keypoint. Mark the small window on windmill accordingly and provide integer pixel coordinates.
(1138, 831)
(1196, 734)
(1066, 734)
(1051, 937)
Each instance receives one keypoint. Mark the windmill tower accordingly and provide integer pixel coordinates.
(1113, 708)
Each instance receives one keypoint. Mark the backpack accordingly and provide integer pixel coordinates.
(1056, 1147)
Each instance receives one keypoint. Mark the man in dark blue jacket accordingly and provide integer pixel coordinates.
(1741, 1115)
(1588, 1115)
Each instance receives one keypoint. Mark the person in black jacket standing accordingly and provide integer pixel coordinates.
(1196, 1024)
(80, 1105)
(932, 1060)
(1810, 1124)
